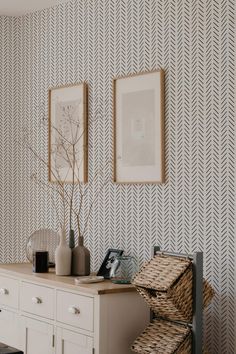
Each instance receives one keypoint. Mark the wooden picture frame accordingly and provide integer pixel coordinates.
(138, 112)
(68, 130)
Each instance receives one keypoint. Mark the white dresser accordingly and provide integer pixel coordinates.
(49, 314)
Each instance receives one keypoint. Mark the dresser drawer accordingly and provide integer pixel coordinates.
(9, 292)
(36, 299)
(75, 310)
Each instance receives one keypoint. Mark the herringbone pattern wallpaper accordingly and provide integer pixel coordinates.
(94, 41)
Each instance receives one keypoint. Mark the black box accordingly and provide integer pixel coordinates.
(40, 262)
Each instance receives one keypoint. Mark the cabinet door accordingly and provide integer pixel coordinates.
(9, 328)
(69, 342)
(38, 337)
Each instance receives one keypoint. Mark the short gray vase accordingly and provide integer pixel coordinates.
(80, 259)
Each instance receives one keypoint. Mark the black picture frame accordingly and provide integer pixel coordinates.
(111, 254)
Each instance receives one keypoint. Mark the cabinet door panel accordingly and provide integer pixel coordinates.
(38, 337)
(69, 342)
(9, 328)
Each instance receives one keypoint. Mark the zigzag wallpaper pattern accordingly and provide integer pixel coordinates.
(95, 41)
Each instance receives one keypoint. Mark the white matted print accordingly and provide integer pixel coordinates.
(68, 134)
(139, 128)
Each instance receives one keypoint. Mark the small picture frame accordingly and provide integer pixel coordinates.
(105, 268)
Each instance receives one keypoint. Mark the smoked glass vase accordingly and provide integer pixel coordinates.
(123, 270)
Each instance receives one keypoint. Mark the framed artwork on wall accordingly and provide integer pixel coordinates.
(68, 133)
(138, 106)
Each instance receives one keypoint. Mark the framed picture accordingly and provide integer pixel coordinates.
(105, 268)
(139, 128)
(68, 133)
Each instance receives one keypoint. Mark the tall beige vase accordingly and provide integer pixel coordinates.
(63, 256)
(80, 259)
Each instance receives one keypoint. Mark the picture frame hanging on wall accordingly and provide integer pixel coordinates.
(68, 134)
(138, 110)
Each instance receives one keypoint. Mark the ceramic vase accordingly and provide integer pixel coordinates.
(63, 256)
(80, 259)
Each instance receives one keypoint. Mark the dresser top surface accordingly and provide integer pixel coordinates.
(23, 271)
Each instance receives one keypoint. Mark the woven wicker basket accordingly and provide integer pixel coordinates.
(163, 337)
(166, 284)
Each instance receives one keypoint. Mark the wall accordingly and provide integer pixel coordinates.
(95, 41)
(11, 247)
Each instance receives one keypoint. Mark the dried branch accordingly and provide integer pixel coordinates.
(68, 152)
